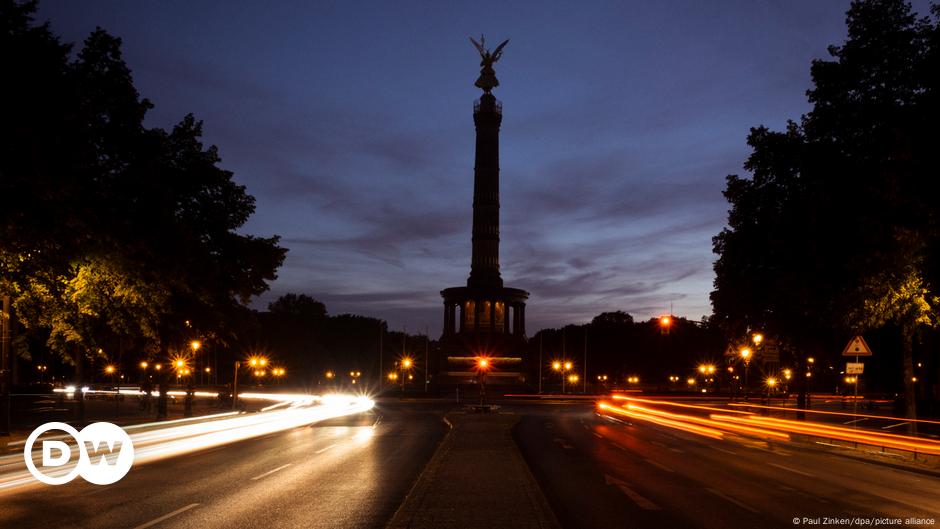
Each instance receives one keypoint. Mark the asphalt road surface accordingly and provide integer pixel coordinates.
(349, 472)
(604, 474)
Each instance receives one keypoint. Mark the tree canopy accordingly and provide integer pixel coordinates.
(836, 231)
(110, 228)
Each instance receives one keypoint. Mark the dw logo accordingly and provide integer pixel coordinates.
(106, 453)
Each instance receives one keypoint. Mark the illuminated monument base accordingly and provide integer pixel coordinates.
(484, 318)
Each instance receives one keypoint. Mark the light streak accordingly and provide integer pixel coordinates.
(676, 404)
(701, 421)
(679, 425)
(900, 442)
(689, 423)
(822, 412)
(161, 440)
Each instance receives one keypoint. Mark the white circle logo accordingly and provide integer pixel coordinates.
(106, 453)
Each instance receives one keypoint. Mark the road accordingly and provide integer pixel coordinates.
(599, 473)
(348, 472)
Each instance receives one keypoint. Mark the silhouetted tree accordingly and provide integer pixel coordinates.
(110, 228)
(834, 233)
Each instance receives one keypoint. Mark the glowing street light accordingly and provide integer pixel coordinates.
(757, 338)
(406, 363)
(110, 369)
(746, 356)
(482, 365)
(562, 367)
(144, 364)
(706, 369)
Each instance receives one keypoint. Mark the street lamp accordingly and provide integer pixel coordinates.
(771, 384)
(563, 367)
(746, 357)
(665, 323)
(482, 365)
(406, 364)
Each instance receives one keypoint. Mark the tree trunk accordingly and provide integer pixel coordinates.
(79, 357)
(802, 385)
(6, 410)
(910, 390)
(164, 384)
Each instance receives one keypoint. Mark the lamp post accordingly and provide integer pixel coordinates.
(563, 368)
(235, 386)
(195, 345)
(483, 365)
(406, 364)
(746, 357)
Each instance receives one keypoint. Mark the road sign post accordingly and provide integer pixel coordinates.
(856, 347)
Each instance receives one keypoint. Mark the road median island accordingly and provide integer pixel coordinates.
(476, 478)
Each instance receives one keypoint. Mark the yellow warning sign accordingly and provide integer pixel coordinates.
(857, 347)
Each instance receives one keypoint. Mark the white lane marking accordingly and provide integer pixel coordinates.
(795, 471)
(732, 452)
(166, 516)
(599, 436)
(586, 427)
(732, 500)
(564, 444)
(676, 450)
(828, 444)
(639, 500)
(659, 465)
(320, 451)
(268, 473)
(895, 425)
(855, 421)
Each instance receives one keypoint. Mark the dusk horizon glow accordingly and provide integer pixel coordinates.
(352, 126)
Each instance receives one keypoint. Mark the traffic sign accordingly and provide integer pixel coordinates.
(857, 347)
(854, 368)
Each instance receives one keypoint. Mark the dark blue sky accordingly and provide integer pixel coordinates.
(351, 123)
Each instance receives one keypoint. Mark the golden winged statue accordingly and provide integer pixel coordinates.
(487, 80)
